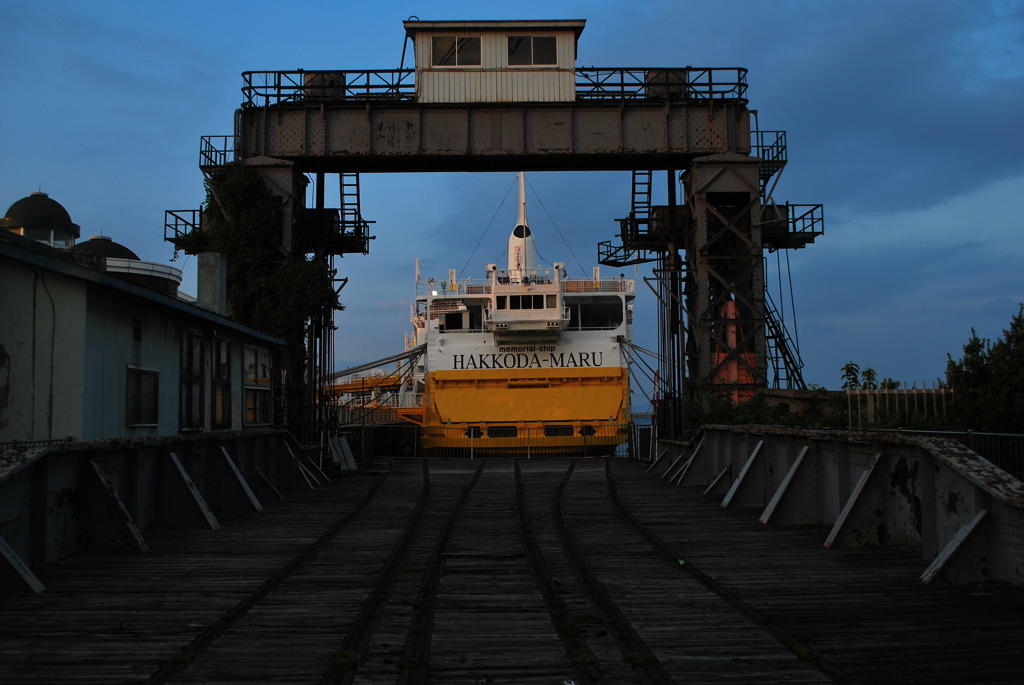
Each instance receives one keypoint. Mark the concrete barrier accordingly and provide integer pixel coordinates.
(105, 494)
(927, 495)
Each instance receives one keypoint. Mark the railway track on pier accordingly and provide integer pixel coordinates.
(469, 571)
(454, 571)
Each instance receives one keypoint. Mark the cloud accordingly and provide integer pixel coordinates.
(902, 290)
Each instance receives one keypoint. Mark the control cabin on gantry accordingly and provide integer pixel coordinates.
(495, 61)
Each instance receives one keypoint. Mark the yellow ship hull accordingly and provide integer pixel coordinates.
(526, 412)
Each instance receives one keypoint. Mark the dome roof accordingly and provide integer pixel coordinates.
(105, 247)
(39, 212)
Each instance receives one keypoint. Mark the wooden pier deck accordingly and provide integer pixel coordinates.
(497, 571)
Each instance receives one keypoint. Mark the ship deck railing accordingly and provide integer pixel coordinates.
(519, 316)
(592, 84)
(470, 287)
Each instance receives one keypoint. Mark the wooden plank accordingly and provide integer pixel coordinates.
(117, 617)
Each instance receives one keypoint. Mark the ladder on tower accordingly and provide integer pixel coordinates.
(353, 230)
(641, 195)
(633, 229)
(351, 214)
(781, 352)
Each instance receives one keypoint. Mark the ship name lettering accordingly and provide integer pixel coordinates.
(575, 360)
(507, 349)
(509, 360)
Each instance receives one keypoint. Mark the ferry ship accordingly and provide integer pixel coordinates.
(525, 361)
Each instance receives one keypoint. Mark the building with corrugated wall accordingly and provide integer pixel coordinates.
(495, 61)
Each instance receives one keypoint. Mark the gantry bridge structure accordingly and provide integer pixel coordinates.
(716, 325)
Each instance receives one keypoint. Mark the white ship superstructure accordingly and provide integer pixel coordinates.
(525, 358)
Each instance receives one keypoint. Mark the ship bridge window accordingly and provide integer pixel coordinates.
(451, 51)
(532, 50)
(453, 321)
(597, 312)
(527, 301)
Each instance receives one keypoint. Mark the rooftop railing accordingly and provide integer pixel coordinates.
(687, 83)
(482, 286)
(268, 88)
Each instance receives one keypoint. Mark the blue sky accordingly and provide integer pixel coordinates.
(903, 119)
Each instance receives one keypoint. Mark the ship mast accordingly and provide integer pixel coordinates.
(522, 253)
(522, 199)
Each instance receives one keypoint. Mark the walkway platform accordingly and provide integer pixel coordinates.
(273, 597)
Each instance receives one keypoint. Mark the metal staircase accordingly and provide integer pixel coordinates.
(783, 356)
(634, 229)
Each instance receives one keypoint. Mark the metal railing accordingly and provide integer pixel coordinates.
(807, 219)
(216, 151)
(668, 83)
(179, 224)
(770, 147)
(471, 286)
(267, 88)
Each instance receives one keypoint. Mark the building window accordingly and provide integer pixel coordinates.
(257, 386)
(220, 412)
(526, 51)
(141, 394)
(191, 407)
(451, 51)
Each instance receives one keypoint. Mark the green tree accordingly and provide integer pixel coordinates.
(851, 376)
(868, 379)
(987, 381)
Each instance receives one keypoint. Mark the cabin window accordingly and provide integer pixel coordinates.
(257, 386)
(453, 321)
(597, 313)
(192, 395)
(452, 51)
(557, 431)
(502, 431)
(220, 414)
(532, 50)
(476, 315)
(141, 394)
(527, 301)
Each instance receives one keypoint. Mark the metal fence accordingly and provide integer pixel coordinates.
(668, 83)
(698, 84)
